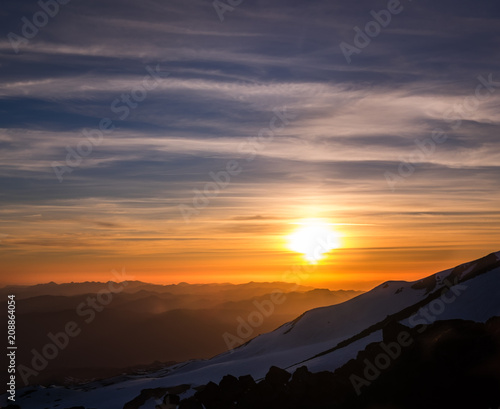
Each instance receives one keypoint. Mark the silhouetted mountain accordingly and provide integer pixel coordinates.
(145, 323)
(452, 364)
(225, 291)
(429, 343)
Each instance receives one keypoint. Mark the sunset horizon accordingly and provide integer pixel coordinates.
(302, 274)
(236, 204)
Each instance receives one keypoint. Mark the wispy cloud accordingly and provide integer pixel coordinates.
(353, 123)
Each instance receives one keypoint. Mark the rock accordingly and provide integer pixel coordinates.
(302, 374)
(230, 388)
(277, 376)
(146, 394)
(190, 403)
(209, 396)
(247, 382)
(169, 402)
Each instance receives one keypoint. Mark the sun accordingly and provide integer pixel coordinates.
(314, 239)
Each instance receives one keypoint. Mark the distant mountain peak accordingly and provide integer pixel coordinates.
(324, 339)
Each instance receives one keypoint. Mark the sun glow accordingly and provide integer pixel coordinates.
(314, 239)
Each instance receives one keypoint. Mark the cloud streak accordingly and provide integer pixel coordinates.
(353, 123)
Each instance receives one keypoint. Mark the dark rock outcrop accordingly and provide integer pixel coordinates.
(448, 364)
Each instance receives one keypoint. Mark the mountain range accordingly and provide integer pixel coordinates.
(342, 355)
(134, 326)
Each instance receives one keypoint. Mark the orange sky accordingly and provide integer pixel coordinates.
(58, 243)
(270, 96)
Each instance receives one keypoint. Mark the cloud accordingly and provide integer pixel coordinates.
(354, 122)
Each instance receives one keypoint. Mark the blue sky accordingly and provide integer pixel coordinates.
(219, 83)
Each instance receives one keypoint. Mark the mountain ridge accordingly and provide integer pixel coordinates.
(328, 337)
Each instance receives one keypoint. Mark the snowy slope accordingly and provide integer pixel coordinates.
(313, 338)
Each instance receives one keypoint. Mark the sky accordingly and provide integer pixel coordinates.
(185, 140)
